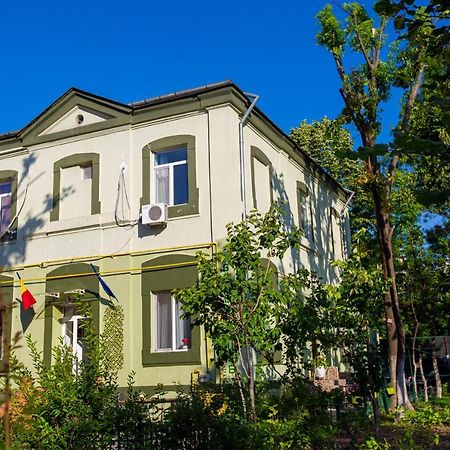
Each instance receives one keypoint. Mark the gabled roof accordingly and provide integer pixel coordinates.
(106, 113)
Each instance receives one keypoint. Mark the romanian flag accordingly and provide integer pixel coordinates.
(27, 298)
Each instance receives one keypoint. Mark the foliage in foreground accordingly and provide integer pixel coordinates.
(63, 408)
(71, 404)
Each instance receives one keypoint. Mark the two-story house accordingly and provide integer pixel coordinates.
(84, 189)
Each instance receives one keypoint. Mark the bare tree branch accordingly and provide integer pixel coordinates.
(363, 47)
(412, 96)
(380, 41)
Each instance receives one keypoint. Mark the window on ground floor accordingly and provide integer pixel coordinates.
(6, 298)
(73, 332)
(70, 291)
(167, 338)
(172, 332)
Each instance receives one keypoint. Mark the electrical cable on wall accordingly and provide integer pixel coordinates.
(123, 195)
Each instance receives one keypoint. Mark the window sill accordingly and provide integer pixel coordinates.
(171, 351)
(186, 209)
(171, 358)
(75, 223)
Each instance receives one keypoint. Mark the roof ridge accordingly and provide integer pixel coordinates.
(180, 94)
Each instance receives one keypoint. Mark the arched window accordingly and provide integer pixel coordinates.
(76, 186)
(169, 174)
(167, 338)
(8, 204)
(262, 174)
(68, 289)
(305, 214)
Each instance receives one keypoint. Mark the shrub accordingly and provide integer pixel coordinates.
(426, 415)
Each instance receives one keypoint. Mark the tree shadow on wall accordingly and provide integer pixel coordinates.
(30, 223)
(320, 254)
(278, 186)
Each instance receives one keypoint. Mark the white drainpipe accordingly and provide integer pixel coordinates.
(242, 123)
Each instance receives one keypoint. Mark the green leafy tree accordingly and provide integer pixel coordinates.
(423, 281)
(331, 145)
(237, 300)
(364, 89)
(357, 309)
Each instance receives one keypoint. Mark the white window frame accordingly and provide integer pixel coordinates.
(332, 231)
(77, 349)
(6, 194)
(305, 215)
(170, 166)
(174, 328)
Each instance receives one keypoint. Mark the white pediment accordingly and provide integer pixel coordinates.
(77, 117)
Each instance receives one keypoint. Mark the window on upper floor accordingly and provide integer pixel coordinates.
(262, 173)
(8, 204)
(305, 214)
(335, 233)
(76, 186)
(172, 332)
(86, 172)
(5, 206)
(169, 175)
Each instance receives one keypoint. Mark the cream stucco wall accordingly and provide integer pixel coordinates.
(86, 237)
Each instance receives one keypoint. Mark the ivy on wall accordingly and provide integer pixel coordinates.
(113, 337)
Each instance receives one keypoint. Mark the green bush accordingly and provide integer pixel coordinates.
(73, 404)
(426, 415)
(205, 419)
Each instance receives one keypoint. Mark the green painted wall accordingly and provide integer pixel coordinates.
(133, 289)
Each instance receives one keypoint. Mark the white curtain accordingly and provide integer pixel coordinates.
(162, 185)
(164, 321)
(5, 212)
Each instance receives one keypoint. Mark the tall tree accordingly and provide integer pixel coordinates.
(330, 144)
(364, 89)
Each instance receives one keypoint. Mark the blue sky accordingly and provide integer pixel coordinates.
(132, 50)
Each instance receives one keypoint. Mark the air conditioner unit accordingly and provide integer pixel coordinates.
(154, 214)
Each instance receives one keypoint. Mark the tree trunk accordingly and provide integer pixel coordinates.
(437, 375)
(424, 380)
(376, 415)
(395, 330)
(414, 377)
(251, 377)
(237, 377)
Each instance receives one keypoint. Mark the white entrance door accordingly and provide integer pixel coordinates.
(72, 331)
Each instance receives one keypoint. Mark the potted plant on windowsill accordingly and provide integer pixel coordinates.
(185, 343)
